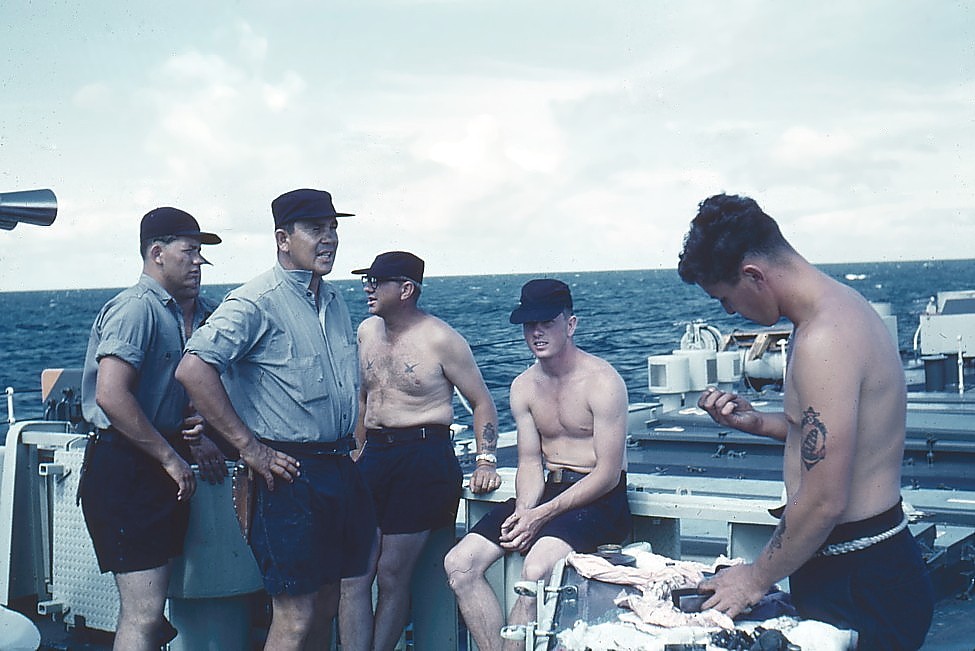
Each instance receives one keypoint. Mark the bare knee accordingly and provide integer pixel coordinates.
(535, 569)
(456, 564)
(392, 575)
(141, 619)
(463, 567)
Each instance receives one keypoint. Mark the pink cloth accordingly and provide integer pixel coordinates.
(655, 576)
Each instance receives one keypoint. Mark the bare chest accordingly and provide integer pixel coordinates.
(405, 367)
(561, 411)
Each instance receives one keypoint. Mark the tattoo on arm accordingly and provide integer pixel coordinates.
(813, 438)
(490, 437)
(775, 543)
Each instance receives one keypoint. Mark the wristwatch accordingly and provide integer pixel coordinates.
(486, 456)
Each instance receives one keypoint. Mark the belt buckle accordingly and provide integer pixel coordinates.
(389, 438)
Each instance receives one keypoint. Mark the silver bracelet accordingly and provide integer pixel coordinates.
(486, 456)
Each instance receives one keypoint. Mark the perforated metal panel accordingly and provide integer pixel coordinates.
(76, 582)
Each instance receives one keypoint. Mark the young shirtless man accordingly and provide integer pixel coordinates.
(842, 538)
(410, 363)
(570, 409)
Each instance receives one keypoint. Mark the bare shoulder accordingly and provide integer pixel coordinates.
(845, 323)
(369, 326)
(522, 385)
(440, 334)
(599, 371)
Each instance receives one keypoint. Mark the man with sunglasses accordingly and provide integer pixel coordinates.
(411, 362)
(284, 346)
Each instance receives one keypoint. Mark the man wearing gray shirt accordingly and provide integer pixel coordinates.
(136, 489)
(285, 347)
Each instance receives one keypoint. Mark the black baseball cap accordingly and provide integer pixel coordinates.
(303, 204)
(160, 222)
(395, 264)
(542, 299)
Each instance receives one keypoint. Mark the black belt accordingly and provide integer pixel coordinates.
(338, 448)
(564, 476)
(390, 435)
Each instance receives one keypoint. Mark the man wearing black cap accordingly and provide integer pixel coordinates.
(285, 347)
(136, 487)
(411, 362)
(570, 409)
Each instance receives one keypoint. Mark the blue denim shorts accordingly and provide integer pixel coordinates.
(606, 520)
(314, 531)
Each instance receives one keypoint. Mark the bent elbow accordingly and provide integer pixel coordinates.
(185, 371)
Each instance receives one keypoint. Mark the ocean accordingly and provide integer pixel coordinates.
(624, 316)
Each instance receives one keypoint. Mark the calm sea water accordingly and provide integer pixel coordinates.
(624, 316)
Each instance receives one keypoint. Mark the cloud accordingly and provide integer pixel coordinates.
(489, 137)
(800, 146)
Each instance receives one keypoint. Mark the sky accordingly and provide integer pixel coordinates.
(486, 136)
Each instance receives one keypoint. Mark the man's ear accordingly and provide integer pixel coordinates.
(409, 289)
(752, 272)
(281, 238)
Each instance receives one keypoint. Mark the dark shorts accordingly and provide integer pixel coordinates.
(607, 520)
(415, 485)
(130, 508)
(314, 531)
(883, 592)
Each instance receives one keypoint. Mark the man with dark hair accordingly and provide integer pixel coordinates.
(285, 347)
(137, 485)
(842, 538)
(570, 410)
(411, 362)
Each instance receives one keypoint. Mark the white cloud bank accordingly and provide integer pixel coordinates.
(488, 137)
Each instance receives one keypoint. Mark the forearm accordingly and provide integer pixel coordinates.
(585, 491)
(202, 383)
(772, 425)
(801, 531)
(127, 417)
(529, 486)
(486, 428)
(360, 424)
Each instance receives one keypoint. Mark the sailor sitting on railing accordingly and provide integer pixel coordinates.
(570, 409)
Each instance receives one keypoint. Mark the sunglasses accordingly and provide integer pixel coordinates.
(372, 282)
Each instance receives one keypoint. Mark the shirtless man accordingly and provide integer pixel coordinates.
(843, 427)
(411, 362)
(570, 409)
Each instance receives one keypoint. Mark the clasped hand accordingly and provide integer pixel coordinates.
(520, 529)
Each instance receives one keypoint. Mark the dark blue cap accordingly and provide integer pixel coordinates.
(395, 264)
(303, 204)
(160, 222)
(542, 299)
